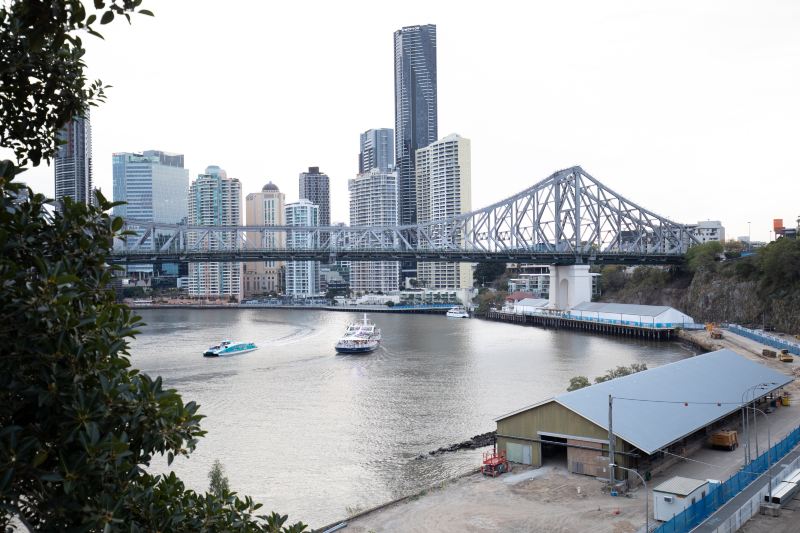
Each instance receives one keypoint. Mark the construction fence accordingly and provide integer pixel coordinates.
(720, 494)
(765, 338)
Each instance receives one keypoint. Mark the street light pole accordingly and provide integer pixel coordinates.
(646, 497)
(769, 450)
(749, 246)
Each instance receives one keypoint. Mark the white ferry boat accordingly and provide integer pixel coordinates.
(458, 311)
(229, 348)
(359, 337)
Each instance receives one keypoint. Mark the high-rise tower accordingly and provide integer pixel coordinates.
(73, 162)
(415, 115)
(265, 208)
(302, 277)
(214, 200)
(415, 108)
(444, 190)
(315, 187)
(377, 150)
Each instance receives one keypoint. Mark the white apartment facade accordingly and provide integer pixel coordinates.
(214, 200)
(708, 231)
(444, 189)
(265, 208)
(373, 202)
(302, 277)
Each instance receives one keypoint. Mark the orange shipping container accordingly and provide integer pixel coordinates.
(777, 224)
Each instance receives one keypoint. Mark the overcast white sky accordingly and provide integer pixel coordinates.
(689, 108)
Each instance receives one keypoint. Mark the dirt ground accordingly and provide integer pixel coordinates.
(546, 499)
(549, 499)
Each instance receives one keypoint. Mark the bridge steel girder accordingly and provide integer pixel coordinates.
(567, 218)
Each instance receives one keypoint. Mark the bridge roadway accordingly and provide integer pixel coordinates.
(128, 257)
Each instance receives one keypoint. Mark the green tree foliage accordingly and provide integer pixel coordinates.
(620, 371)
(486, 299)
(612, 278)
(78, 426)
(217, 480)
(41, 54)
(703, 256)
(578, 382)
(489, 272)
(780, 264)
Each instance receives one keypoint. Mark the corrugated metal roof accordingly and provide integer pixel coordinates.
(645, 411)
(682, 486)
(533, 302)
(624, 309)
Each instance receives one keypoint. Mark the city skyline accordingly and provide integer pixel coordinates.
(615, 100)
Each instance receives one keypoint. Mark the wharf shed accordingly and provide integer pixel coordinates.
(652, 410)
(633, 314)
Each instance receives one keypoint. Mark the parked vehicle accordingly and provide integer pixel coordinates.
(495, 463)
(726, 439)
(785, 356)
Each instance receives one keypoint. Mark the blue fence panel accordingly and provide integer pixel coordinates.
(763, 338)
(693, 515)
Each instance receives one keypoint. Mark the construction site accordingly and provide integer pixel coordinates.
(557, 452)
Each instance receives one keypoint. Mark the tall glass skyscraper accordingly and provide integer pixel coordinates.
(73, 162)
(154, 184)
(377, 150)
(415, 108)
(315, 187)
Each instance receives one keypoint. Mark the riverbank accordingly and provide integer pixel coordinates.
(550, 499)
(438, 309)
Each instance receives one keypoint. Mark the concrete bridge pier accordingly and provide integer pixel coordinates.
(569, 286)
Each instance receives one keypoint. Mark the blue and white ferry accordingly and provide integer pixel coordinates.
(359, 337)
(229, 348)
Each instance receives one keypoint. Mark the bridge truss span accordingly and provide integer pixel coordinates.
(567, 218)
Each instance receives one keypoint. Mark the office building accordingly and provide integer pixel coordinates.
(377, 150)
(154, 185)
(416, 115)
(415, 105)
(315, 187)
(302, 277)
(373, 202)
(73, 162)
(265, 208)
(444, 190)
(214, 200)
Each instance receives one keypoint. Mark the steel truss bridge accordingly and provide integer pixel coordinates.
(568, 218)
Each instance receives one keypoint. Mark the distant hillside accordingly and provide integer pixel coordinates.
(760, 289)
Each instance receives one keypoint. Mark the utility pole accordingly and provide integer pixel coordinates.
(611, 451)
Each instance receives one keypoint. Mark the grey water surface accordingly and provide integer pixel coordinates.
(310, 433)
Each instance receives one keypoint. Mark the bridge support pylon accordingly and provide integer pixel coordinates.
(569, 286)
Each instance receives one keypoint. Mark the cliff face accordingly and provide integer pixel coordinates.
(714, 297)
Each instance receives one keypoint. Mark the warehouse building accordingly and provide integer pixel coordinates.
(630, 314)
(652, 412)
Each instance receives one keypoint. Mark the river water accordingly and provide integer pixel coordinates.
(311, 434)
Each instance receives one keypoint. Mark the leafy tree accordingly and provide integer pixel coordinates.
(703, 256)
(78, 426)
(217, 480)
(780, 263)
(578, 382)
(487, 299)
(488, 272)
(620, 371)
(612, 278)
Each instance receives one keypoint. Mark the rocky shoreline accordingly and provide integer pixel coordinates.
(478, 441)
